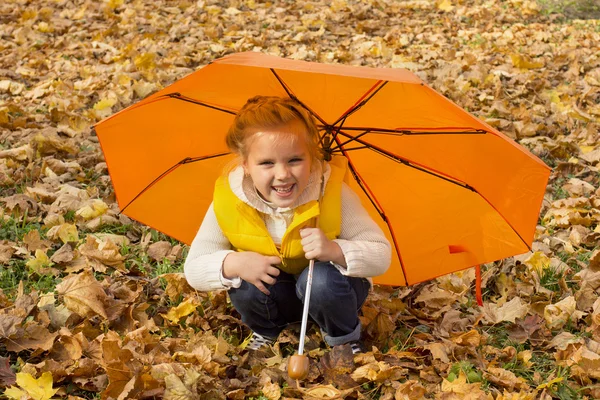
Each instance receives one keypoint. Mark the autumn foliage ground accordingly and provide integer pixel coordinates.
(92, 305)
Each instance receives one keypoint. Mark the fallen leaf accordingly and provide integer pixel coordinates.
(38, 389)
(508, 312)
(83, 294)
(7, 376)
(558, 314)
(183, 309)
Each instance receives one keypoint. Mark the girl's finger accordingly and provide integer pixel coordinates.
(262, 288)
(269, 280)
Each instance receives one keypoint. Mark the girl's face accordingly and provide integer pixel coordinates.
(279, 163)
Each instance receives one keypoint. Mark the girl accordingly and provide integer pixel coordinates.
(258, 233)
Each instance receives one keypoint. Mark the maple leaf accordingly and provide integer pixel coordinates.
(271, 390)
(176, 389)
(92, 209)
(183, 309)
(159, 250)
(40, 263)
(7, 376)
(176, 285)
(6, 251)
(83, 294)
(34, 242)
(558, 314)
(508, 312)
(38, 389)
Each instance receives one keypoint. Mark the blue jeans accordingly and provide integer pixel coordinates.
(335, 300)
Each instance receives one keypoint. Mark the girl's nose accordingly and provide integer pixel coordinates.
(282, 172)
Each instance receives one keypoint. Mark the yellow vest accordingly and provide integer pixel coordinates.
(246, 230)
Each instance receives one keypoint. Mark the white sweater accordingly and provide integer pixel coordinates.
(365, 247)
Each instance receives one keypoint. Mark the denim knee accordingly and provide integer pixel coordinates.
(328, 285)
(247, 298)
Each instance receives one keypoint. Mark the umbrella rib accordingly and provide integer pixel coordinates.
(186, 160)
(365, 188)
(293, 96)
(393, 132)
(179, 96)
(439, 175)
(405, 131)
(411, 164)
(362, 101)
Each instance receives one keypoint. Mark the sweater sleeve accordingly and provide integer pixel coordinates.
(204, 263)
(364, 245)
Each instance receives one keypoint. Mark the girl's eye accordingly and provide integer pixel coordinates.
(295, 160)
(265, 163)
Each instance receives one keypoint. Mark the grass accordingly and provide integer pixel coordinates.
(572, 9)
(14, 230)
(550, 278)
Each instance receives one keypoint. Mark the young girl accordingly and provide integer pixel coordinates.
(258, 233)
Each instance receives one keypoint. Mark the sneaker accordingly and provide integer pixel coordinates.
(356, 347)
(257, 341)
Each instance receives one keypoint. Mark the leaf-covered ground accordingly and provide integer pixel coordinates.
(92, 304)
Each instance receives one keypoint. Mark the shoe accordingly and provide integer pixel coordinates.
(356, 347)
(257, 341)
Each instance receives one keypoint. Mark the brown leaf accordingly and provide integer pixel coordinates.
(32, 337)
(83, 294)
(7, 376)
(159, 250)
(103, 252)
(177, 285)
(21, 204)
(505, 378)
(9, 325)
(63, 255)
(66, 348)
(33, 241)
(6, 251)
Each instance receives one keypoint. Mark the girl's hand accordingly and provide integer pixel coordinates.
(252, 267)
(317, 247)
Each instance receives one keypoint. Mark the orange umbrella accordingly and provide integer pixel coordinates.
(449, 191)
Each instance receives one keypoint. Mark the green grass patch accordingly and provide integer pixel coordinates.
(549, 278)
(471, 372)
(14, 230)
(16, 271)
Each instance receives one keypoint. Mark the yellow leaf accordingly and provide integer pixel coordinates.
(68, 233)
(145, 61)
(40, 261)
(586, 149)
(90, 211)
(445, 5)
(182, 310)
(557, 315)
(112, 4)
(38, 389)
(14, 393)
(550, 383)
(104, 103)
(522, 62)
(538, 262)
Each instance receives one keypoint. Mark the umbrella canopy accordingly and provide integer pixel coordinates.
(449, 191)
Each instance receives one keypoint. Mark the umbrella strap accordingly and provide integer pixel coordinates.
(478, 286)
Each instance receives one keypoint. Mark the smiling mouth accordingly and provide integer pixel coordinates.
(283, 190)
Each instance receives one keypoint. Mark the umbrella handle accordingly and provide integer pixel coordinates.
(311, 265)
